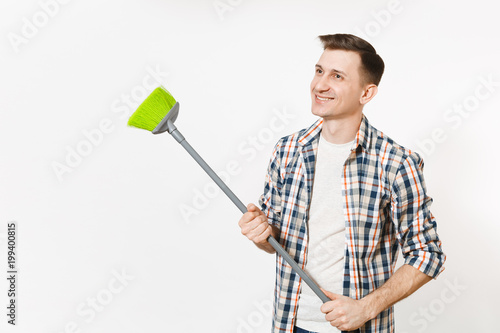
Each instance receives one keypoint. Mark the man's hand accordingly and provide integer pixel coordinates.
(255, 227)
(344, 312)
(348, 314)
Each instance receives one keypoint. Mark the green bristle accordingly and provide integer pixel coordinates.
(154, 108)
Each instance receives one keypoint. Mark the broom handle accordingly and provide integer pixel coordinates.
(274, 243)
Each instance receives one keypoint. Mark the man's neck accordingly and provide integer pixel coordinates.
(339, 131)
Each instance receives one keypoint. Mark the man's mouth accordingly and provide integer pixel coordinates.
(324, 98)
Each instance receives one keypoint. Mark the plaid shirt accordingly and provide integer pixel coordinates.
(385, 206)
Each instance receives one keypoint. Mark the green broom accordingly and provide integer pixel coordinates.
(157, 114)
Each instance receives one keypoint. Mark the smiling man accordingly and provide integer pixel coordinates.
(342, 198)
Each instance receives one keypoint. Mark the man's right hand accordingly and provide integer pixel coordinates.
(255, 227)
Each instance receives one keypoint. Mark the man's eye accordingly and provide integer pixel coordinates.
(319, 71)
(337, 76)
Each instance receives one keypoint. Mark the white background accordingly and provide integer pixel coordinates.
(234, 65)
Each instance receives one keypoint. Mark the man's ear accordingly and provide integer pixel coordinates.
(368, 93)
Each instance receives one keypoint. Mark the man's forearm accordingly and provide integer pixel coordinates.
(266, 246)
(402, 284)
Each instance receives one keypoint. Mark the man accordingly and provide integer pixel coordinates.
(342, 197)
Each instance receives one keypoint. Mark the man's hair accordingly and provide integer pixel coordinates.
(372, 65)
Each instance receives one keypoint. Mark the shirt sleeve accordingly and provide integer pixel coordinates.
(416, 226)
(270, 200)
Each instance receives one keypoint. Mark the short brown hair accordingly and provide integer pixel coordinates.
(371, 63)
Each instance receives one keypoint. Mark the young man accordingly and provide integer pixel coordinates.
(342, 197)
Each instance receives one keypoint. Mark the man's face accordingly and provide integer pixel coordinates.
(336, 88)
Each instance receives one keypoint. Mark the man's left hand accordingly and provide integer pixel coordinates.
(344, 312)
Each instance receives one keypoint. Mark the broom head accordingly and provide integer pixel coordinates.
(154, 109)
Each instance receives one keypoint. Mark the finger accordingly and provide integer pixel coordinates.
(330, 295)
(248, 217)
(330, 305)
(257, 221)
(263, 236)
(335, 323)
(251, 207)
(253, 215)
(258, 230)
(327, 307)
(254, 209)
(258, 213)
(333, 317)
(245, 219)
(248, 228)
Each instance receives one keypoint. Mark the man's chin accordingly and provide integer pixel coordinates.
(320, 112)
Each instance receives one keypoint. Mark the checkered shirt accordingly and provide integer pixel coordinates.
(386, 207)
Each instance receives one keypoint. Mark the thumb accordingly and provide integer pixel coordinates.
(330, 295)
(251, 207)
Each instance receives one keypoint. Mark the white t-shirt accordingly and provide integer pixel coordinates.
(326, 230)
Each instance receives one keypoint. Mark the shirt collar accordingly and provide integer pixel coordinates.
(363, 137)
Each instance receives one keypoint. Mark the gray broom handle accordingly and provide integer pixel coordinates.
(274, 243)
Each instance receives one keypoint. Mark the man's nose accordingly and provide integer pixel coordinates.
(322, 84)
